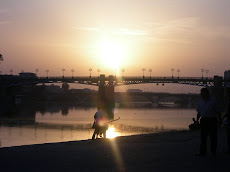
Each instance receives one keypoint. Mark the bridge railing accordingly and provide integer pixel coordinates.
(70, 78)
(164, 78)
(117, 80)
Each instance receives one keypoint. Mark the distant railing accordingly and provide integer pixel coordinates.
(127, 78)
(115, 80)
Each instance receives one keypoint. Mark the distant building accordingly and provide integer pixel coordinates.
(27, 75)
(85, 90)
(53, 88)
(134, 91)
(73, 90)
(227, 77)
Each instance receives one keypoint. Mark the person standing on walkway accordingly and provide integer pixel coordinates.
(209, 114)
(227, 121)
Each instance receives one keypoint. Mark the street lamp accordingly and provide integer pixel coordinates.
(11, 71)
(47, 73)
(72, 70)
(150, 71)
(207, 73)
(178, 71)
(143, 69)
(63, 70)
(123, 71)
(90, 70)
(202, 71)
(172, 72)
(98, 70)
(37, 70)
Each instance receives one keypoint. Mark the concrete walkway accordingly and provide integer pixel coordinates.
(171, 151)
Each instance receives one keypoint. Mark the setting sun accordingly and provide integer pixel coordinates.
(111, 53)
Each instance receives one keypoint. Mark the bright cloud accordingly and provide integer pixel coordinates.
(121, 31)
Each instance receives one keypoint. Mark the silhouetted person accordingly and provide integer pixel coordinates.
(227, 122)
(195, 125)
(208, 112)
(100, 124)
(95, 125)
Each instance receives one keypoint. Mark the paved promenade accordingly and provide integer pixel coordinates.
(171, 151)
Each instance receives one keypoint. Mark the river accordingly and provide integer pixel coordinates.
(50, 127)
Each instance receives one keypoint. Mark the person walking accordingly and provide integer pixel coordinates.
(208, 114)
(100, 124)
(96, 127)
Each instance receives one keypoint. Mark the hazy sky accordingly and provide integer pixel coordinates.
(114, 34)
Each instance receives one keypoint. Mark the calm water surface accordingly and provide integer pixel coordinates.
(76, 125)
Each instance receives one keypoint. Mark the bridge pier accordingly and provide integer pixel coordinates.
(106, 96)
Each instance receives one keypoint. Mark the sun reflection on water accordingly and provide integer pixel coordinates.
(111, 133)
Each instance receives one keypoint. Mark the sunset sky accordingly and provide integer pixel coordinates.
(113, 34)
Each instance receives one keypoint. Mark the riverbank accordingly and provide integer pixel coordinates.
(169, 151)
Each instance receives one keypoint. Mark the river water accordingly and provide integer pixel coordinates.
(56, 126)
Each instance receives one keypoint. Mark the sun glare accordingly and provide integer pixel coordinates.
(112, 54)
(111, 133)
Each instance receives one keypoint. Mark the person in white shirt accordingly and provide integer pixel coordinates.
(208, 112)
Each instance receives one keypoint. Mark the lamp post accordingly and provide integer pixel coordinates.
(98, 70)
(37, 70)
(207, 71)
(72, 70)
(47, 73)
(143, 69)
(123, 71)
(150, 71)
(90, 70)
(178, 71)
(11, 71)
(63, 70)
(202, 71)
(172, 72)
